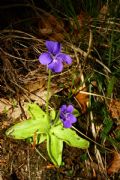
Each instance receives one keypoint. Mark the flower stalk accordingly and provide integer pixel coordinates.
(48, 92)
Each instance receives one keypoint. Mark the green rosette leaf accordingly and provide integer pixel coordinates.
(38, 123)
(54, 148)
(70, 137)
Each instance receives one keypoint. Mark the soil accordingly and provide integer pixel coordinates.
(19, 160)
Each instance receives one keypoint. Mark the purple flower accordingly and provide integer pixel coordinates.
(54, 58)
(66, 115)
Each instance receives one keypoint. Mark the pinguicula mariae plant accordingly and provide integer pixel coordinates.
(54, 127)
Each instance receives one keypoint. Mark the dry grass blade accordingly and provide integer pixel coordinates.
(84, 54)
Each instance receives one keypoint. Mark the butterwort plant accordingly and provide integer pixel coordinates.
(53, 126)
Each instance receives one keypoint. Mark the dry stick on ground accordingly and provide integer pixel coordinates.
(84, 54)
(89, 47)
(105, 29)
(8, 72)
(28, 164)
(87, 55)
(97, 152)
(15, 34)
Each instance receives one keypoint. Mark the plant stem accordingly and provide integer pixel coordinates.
(48, 91)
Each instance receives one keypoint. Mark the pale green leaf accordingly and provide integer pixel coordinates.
(37, 139)
(70, 137)
(41, 138)
(76, 113)
(38, 123)
(52, 114)
(35, 111)
(54, 148)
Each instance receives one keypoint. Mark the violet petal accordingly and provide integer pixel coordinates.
(65, 58)
(56, 66)
(67, 124)
(53, 47)
(70, 109)
(72, 118)
(63, 108)
(45, 58)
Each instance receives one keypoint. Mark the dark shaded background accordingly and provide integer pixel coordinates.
(12, 11)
